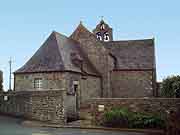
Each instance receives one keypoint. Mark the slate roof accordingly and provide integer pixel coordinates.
(56, 55)
(133, 54)
(130, 54)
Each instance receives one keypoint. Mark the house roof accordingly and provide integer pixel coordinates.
(133, 54)
(58, 53)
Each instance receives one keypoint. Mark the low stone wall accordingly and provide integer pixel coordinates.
(38, 105)
(145, 105)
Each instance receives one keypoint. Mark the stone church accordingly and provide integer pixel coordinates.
(91, 65)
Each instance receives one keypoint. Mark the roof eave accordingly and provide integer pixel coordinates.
(34, 72)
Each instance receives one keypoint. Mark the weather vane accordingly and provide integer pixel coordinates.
(102, 17)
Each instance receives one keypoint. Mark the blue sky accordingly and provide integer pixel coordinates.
(24, 26)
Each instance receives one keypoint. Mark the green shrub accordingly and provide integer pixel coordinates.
(171, 87)
(147, 121)
(121, 117)
(117, 117)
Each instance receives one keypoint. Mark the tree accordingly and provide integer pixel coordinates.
(171, 87)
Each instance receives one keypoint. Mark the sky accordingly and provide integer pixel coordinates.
(25, 25)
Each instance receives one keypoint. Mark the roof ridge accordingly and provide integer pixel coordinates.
(60, 34)
(81, 27)
(131, 40)
(57, 42)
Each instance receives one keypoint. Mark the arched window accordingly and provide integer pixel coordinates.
(98, 35)
(102, 27)
(106, 36)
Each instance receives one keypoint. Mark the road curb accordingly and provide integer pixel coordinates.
(149, 131)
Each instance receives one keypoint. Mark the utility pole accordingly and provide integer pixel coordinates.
(10, 72)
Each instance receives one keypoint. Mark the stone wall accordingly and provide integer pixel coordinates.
(45, 106)
(90, 87)
(145, 105)
(97, 54)
(51, 80)
(131, 84)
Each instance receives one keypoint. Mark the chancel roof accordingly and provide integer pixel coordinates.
(133, 54)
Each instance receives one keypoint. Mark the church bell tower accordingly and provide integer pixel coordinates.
(103, 32)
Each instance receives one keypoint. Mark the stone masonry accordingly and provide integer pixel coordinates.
(88, 87)
(97, 54)
(122, 82)
(143, 105)
(47, 106)
(51, 81)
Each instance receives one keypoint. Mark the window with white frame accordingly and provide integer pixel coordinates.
(38, 83)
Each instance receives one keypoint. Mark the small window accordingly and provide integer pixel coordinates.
(98, 35)
(75, 88)
(75, 84)
(5, 98)
(38, 83)
(106, 36)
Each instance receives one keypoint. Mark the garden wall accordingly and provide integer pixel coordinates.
(145, 105)
(38, 105)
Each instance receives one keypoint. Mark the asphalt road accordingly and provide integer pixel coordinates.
(12, 126)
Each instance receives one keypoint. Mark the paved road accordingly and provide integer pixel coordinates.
(11, 126)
